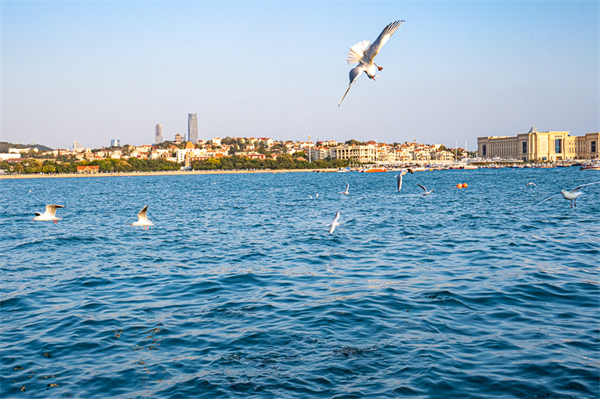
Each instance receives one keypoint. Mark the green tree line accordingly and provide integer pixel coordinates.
(145, 165)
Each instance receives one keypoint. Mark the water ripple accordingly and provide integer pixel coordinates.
(243, 292)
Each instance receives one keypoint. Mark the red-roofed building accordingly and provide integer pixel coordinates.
(88, 169)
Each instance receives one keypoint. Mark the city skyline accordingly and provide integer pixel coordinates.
(453, 72)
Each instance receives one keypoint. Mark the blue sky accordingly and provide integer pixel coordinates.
(454, 71)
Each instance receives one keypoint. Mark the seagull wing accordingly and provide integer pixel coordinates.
(385, 35)
(554, 196)
(334, 223)
(357, 52)
(51, 209)
(142, 215)
(354, 74)
(423, 187)
(583, 185)
(399, 178)
(347, 188)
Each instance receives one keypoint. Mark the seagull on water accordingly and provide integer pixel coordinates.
(334, 223)
(532, 184)
(143, 219)
(50, 213)
(570, 195)
(424, 189)
(347, 188)
(363, 54)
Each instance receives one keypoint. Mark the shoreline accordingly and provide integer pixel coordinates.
(158, 173)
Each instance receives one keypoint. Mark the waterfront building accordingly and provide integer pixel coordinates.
(158, 134)
(115, 143)
(539, 146)
(189, 153)
(193, 128)
(88, 169)
(359, 153)
(318, 153)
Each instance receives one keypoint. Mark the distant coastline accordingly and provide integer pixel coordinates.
(156, 173)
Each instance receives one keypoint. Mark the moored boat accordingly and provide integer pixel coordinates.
(590, 167)
(376, 170)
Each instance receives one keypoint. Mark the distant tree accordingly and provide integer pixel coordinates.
(228, 141)
(262, 150)
(299, 154)
(48, 168)
(354, 142)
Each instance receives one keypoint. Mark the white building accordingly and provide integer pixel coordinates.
(4, 157)
(359, 153)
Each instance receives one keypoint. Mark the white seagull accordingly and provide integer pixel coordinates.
(363, 54)
(50, 213)
(347, 188)
(143, 219)
(334, 223)
(570, 195)
(399, 180)
(532, 184)
(424, 189)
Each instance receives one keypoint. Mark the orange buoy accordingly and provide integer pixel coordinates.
(459, 185)
(465, 185)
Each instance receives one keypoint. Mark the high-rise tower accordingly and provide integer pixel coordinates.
(158, 135)
(193, 128)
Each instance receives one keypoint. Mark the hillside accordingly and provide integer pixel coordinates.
(4, 146)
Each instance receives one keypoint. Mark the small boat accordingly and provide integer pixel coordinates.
(376, 170)
(590, 167)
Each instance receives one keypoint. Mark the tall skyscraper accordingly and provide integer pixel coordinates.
(76, 145)
(193, 128)
(115, 143)
(158, 135)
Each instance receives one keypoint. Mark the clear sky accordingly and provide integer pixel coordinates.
(454, 71)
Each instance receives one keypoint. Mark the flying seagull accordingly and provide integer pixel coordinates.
(50, 213)
(532, 184)
(570, 195)
(424, 189)
(143, 219)
(347, 188)
(363, 54)
(399, 180)
(334, 223)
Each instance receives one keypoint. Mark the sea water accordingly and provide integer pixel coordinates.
(239, 290)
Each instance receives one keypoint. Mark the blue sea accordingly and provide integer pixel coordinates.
(239, 290)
